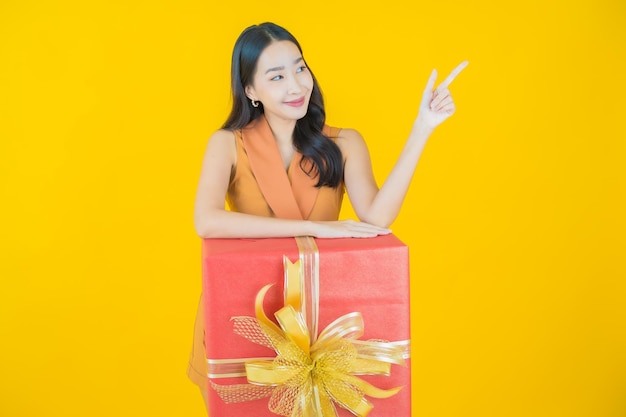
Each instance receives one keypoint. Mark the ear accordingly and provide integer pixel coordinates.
(250, 92)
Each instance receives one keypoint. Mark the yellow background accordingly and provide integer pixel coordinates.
(515, 218)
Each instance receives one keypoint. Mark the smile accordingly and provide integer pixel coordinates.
(295, 103)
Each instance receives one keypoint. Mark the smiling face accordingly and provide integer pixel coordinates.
(282, 82)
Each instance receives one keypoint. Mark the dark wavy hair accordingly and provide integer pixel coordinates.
(308, 139)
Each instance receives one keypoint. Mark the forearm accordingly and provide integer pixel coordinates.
(227, 224)
(219, 223)
(386, 203)
(436, 106)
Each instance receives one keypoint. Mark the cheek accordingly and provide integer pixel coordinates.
(263, 89)
(309, 81)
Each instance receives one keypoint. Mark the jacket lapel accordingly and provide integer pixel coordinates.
(288, 200)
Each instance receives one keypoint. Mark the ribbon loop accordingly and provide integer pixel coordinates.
(294, 327)
(349, 326)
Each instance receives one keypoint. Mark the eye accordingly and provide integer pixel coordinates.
(278, 77)
(301, 68)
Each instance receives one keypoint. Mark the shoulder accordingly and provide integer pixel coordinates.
(222, 144)
(222, 136)
(350, 141)
(348, 134)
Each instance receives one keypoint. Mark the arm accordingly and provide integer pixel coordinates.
(381, 206)
(211, 219)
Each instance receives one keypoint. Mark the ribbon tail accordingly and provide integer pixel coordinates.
(342, 389)
(307, 402)
(371, 390)
(322, 404)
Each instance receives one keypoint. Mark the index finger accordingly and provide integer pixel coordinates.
(453, 75)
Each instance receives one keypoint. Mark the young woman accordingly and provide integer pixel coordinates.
(282, 170)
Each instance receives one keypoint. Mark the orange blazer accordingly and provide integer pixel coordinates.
(260, 185)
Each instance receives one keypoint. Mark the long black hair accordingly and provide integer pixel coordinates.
(308, 139)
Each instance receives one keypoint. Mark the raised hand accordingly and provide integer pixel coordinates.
(437, 104)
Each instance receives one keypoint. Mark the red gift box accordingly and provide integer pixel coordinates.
(369, 276)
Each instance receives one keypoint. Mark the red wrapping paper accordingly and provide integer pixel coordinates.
(370, 276)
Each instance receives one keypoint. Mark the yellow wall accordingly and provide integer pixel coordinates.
(515, 218)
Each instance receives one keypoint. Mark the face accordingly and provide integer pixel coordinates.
(282, 82)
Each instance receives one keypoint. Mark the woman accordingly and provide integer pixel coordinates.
(283, 171)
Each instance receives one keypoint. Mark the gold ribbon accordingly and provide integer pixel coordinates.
(310, 375)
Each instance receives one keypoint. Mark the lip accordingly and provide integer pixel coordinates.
(295, 103)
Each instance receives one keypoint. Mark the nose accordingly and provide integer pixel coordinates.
(294, 87)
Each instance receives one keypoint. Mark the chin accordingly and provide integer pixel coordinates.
(296, 115)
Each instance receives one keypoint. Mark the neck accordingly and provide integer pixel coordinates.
(282, 129)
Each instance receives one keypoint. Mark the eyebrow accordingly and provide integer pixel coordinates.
(282, 67)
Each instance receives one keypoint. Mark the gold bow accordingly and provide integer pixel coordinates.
(307, 378)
